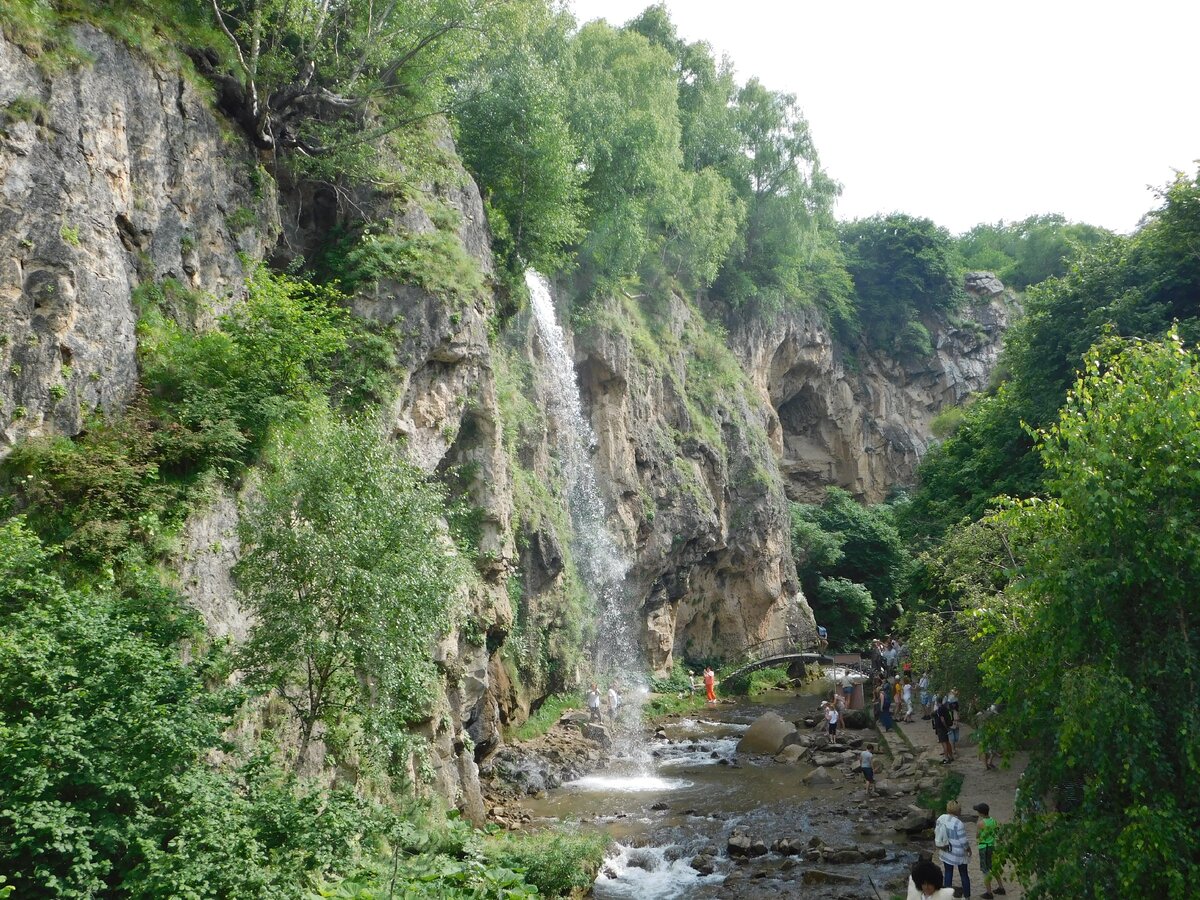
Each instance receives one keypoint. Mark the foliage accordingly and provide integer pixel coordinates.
(1098, 665)
(851, 562)
(948, 790)
(435, 260)
(559, 864)
(349, 579)
(903, 268)
(105, 731)
(513, 134)
(1027, 252)
(1137, 286)
(546, 715)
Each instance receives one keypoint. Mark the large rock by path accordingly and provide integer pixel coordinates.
(767, 735)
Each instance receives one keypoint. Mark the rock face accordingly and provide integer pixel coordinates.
(857, 418)
(120, 175)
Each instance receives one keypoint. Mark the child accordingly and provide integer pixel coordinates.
(866, 763)
(987, 844)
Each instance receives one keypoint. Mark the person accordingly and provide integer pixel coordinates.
(593, 702)
(987, 845)
(847, 686)
(907, 699)
(925, 880)
(691, 681)
(954, 847)
(822, 637)
(926, 696)
(614, 700)
(885, 710)
(831, 719)
(866, 762)
(941, 720)
(710, 684)
(987, 753)
(952, 705)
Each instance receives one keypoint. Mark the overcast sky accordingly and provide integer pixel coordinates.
(967, 111)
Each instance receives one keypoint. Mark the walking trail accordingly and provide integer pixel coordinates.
(997, 788)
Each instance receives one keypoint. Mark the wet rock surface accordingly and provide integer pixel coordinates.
(686, 826)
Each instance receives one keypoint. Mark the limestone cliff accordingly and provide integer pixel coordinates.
(120, 175)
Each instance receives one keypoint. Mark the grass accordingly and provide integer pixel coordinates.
(560, 864)
(948, 790)
(546, 716)
(659, 705)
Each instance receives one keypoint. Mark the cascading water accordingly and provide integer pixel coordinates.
(600, 562)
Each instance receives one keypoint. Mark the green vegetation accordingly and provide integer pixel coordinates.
(948, 790)
(547, 715)
(852, 564)
(560, 864)
(1028, 252)
(1070, 601)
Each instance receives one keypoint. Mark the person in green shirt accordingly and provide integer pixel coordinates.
(987, 844)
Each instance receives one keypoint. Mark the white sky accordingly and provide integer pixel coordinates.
(967, 111)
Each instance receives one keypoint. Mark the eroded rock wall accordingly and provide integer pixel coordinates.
(111, 175)
(856, 417)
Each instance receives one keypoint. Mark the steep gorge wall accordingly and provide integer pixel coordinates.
(124, 177)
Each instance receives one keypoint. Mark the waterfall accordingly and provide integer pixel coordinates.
(600, 562)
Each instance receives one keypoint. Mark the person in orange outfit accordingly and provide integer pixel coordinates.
(710, 682)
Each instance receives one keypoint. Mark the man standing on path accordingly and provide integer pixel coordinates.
(614, 701)
(954, 847)
(942, 718)
(710, 683)
(987, 845)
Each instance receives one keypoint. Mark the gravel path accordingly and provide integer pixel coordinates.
(996, 788)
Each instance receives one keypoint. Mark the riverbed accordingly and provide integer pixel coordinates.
(672, 806)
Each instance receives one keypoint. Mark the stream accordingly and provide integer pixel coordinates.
(689, 790)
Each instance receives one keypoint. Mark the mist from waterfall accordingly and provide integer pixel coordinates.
(600, 562)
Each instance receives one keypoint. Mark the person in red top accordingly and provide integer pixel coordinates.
(710, 682)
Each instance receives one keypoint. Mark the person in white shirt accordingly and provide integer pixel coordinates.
(924, 882)
(955, 849)
(906, 698)
(831, 717)
(614, 701)
(593, 702)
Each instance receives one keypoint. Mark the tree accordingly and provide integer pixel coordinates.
(350, 579)
(903, 268)
(851, 563)
(296, 67)
(1099, 667)
(1030, 251)
(514, 136)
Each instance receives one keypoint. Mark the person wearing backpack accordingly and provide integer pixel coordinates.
(954, 847)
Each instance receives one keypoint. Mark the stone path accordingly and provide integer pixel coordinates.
(996, 788)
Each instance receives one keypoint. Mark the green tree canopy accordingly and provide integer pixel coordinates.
(1030, 251)
(350, 579)
(1098, 665)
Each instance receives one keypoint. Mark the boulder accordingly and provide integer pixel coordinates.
(983, 284)
(818, 778)
(856, 719)
(766, 735)
(788, 847)
(842, 855)
(826, 759)
(596, 733)
(818, 876)
(703, 864)
(916, 821)
(790, 754)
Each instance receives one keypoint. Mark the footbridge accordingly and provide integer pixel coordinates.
(785, 652)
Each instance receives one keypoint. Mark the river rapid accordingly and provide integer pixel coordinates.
(672, 807)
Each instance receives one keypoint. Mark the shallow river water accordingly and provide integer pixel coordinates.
(684, 795)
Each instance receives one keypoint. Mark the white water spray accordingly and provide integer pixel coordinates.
(601, 564)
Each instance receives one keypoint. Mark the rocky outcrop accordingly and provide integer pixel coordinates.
(112, 174)
(858, 418)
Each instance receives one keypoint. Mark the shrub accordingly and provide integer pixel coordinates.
(557, 864)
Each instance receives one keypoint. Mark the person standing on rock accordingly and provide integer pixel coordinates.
(954, 847)
(847, 686)
(866, 762)
(987, 845)
(593, 702)
(614, 701)
(710, 684)
(831, 718)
